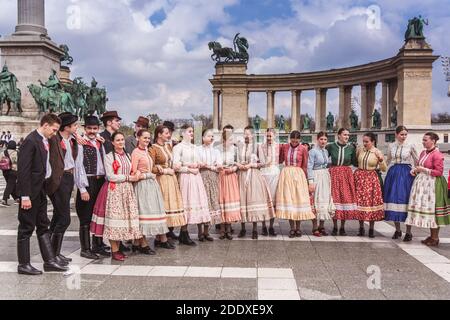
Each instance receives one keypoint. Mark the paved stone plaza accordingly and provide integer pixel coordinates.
(269, 268)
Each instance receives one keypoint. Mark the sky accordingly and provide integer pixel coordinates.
(152, 55)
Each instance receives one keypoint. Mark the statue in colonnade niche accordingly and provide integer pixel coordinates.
(330, 121)
(306, 122)
(257, 123)
(354, 120)
(394, 118)
(281, 123)
(376, 119)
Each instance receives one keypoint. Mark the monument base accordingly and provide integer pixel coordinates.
(20, 127)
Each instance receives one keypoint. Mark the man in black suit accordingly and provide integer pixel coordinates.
(111, 121)
(33, 169)
(65, 158)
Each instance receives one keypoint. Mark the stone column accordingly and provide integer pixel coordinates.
(345, 101)
(270, 109)
(30, 17)
(385, 106)
(392, 99)
(216, 103)
(367, 104)
(295, 110)
(321, 109)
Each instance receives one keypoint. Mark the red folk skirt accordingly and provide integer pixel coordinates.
(344, 193)
(369, 196)
(98, 215)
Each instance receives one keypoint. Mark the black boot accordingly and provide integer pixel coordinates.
(98, 248)
(185, 239)
(56, 240)
(23, 255)
(48, 255)
(172, 235)
(123, 248)
(85, 243)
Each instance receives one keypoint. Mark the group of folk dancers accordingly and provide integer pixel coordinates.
(146, 185)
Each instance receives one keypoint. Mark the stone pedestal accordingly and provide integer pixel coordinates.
(31, 58)
(64, 75)
(234, 97)
(414, 73)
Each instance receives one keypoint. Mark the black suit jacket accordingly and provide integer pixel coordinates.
(108, 144)
(57, 156)
(31, 166)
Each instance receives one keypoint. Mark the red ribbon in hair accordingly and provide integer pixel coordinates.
(115, 166)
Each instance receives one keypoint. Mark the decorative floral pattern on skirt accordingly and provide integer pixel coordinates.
(195, 200)
(369, 197)
(229, 197)
(121, 215)
(152, 215)
(429, 205)
(293, 198)
(343, 193)
(173, 202)
(211, 183)
(255, 199)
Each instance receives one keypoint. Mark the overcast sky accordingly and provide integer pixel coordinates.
(152, 56)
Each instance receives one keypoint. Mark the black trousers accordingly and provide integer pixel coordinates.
(35, 218)
(85, 208)
(11, 184)
(61, 204)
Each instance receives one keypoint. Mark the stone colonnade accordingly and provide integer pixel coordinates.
(405, 85)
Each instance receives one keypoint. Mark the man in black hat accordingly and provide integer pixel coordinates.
(131, 141)
(111, 121)
(94, 173)
(33, 167)
(66, 160)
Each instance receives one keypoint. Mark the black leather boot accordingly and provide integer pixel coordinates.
(48, 255)
(85, 243)
(56, 240)
(23, 255)
(172, 235)
(185, 239)
(98, 248)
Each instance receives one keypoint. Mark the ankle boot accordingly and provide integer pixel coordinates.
(56, 240)
(185, 239)
(23, 255)
(48, 255)
(172, 235)
(98, 248)
(85, 243)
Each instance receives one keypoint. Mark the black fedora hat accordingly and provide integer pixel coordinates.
(67, 119)
(110, 115)
(91, 121)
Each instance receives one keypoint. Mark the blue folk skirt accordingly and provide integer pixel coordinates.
(397, 188)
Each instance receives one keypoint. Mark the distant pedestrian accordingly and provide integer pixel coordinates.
(11, 174)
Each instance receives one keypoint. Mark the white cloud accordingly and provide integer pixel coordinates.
(165, 68)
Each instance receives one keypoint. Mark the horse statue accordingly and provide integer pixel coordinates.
(66, 56)
(96, 99)
(219, 52)
(9, 99)
(52, 101)
(78, 90)
(9, 93)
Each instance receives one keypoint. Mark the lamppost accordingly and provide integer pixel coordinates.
(446, 67)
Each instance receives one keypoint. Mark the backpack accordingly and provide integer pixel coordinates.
(5, 163)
